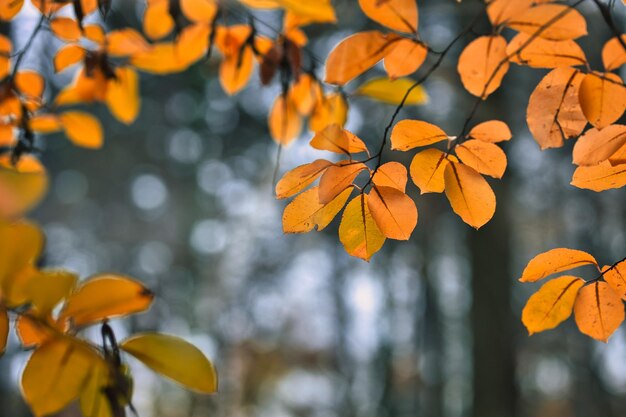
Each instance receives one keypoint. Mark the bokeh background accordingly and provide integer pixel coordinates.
(183, 200)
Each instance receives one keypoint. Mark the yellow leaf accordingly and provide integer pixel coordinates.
(285, 122)
(482, 65)
(484, 157)
(469, 194)
(358, 232)
(305, 211)
(68, 55)
(400, 15)
(553, 261)
(550, 21)
(602, 98)
(330, 109)
(48, 288)
(122, 95)
(301, 177)
(394, 212)
(56, 373)
(391, 174)
(552, 304)
(598, 311)
(336, 179)
(356, 54)
(106, 296)
(409, 134)
(94, 401)
(22, 186)
(597, 146)
(600, 177)
(82, 129)
(393, 91)
(427, 170)
(174, 358)
(492, 131)
(554, 111)
(333, 138)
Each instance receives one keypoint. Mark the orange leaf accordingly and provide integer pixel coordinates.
(157, 21)
(8, 9)
(5, 54)
(597, 146)
(486, 158)
(193, 43)
(284, 121)
(126, 42)
(66, 29)
(598, 311)
(616, 277)
(162, 58)
(400, 15)
(305, 211)
(493, 131)
(4, 329)
(356, 54)
(553, 261)
(301, 177)
(336, 179)
(552, 304)
(122, 95)
(306, 93)
(404, 58)
(602, 98)
(554, 111)
(394, 212)
(542, 53)
(391, 174)
(105, 296)
(409, 134)
(45, 123)
(613, 54)
(358, 232)
(22, 186)
(600, 177)
(68, 55)
(335, 139)
(482, 65)
(203, 11)
(331, 109)
(500, 11)
(469, 194)
(82, 129)
(550, 21)
(427, 170)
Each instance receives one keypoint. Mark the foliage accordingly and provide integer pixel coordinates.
(572, 101)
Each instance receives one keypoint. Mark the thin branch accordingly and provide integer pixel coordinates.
(605, 11)
(28, 45)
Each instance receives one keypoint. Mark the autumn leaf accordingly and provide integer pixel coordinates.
(553, 261)
(492, 131)
(550, 21)
(554, 112)
(82, 129)
(174, 358)
(394, 212)
(9, 9)
(5, 53)
(404, 58)
(598, 311)
(66, 29)
(358, 232)
(68, 55)
(122, 95)
(542, 53)
(482, 65)
(409, 134)
(337, 178)
(333, 138)
(22, 186)
(427, 170)
(105, 296)
(597, 146)
(400, 15)
(484, 157)
(356, 54)
(284, 121)
(305, 211)
(305, 94)
(393, 91)
(500, 11)
(330, 109)
(301, 177)
(603, 176)
(615, 276)
(469, 194)
(552, 304)
(602, 98)
(391, 174)
(4, 330)
(614, 54)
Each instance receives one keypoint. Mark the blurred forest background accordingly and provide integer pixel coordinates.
(183, 200)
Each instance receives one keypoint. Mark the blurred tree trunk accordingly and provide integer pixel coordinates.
(492, 322)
